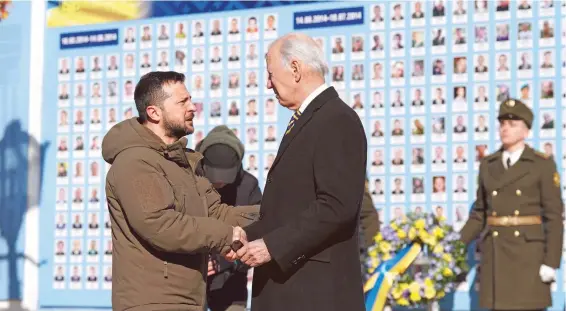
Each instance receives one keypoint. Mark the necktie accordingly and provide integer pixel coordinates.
(508, 162)
(294, 118)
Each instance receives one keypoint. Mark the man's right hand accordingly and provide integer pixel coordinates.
(238, 234)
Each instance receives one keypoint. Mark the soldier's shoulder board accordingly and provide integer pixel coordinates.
(542, 155)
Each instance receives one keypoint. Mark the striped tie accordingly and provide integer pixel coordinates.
(294, 118)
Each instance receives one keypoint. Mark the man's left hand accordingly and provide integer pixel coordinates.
(213, 266)
(254, 253)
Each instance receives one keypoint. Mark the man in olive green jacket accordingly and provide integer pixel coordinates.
(517, 217)
(166, 218)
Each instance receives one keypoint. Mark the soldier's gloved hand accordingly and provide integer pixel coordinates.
(547, 274)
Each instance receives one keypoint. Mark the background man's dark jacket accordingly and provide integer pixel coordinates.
(229, 285)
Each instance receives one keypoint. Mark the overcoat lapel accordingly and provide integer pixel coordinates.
(519, 169)
(504, 176)
(327, 95)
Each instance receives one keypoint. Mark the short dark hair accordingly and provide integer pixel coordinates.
(149, 90)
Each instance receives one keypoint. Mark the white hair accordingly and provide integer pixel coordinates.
(304, 49)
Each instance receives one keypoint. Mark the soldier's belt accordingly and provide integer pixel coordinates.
(508, 221)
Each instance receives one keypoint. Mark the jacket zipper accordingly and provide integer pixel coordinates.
(165, 271)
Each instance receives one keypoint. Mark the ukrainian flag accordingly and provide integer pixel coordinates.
(378, 285)
(75, 13)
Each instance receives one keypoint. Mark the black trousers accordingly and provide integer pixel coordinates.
(233, 292)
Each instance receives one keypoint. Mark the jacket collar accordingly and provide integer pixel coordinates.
(176, 152)
(504, 176)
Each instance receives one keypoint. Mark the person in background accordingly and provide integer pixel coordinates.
(369, 227)
(518, 218)
(222, 165)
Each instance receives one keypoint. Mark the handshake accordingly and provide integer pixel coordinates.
(252, 253)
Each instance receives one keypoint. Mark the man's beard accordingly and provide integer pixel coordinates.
(173, 129)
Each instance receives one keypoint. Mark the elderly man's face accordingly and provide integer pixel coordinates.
(281, 79)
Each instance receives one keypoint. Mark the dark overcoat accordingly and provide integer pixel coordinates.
(310, 213)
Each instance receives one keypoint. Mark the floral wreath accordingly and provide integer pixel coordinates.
(4, 9)
(440, 249)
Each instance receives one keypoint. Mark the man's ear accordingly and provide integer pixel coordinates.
(153, 113)
(296, 69)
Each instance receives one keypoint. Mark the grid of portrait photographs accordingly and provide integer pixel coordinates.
(438, 72)
(87, 107)
(222, 61)
(425, 77)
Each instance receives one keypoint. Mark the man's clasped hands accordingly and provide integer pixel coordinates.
(253, 253)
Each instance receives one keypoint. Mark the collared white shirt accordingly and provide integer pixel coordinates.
(312, 96)
(514, 156)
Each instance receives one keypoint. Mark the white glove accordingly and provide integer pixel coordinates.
(547, 274)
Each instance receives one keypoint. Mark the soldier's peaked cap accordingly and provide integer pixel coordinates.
(513, 109)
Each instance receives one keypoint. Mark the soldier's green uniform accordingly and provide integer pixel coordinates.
(518, 217)
(369, 227)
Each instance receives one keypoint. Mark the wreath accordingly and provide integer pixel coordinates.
(4, 9)
(438, 262)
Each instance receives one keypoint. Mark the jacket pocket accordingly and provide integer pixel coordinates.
(323, 256)
(535, 235)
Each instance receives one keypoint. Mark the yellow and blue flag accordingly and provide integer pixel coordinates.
(378, 285)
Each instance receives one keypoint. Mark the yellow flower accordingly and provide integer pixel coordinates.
(423, 234)
(429, 292)
(415, 297)
(427, 238)
(412, 233)
(374, 262)
(394, 226)
(401, 234)
(386, 256)
(438, 249)
(438, 232)
(378, 238)
(447, 257)
(432, 241)
(373, 253)
(447, 272)
(440, 294)
(397, 292)
(414, 287)
(404, 286)
(403, 302)
(385, 247)
(420, 224)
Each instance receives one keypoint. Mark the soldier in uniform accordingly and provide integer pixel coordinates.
(369, 227)
(517, 217)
